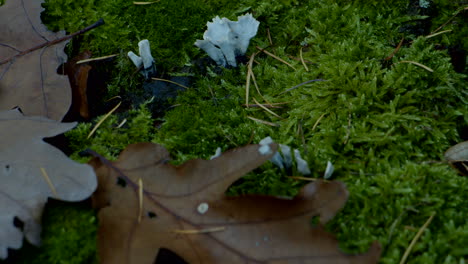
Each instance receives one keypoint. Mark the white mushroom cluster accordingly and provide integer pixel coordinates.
(224, 40)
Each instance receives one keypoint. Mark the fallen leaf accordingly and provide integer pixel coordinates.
(30, 172)
(31, 81)
(148, 205)
(457, 156)
(78, 76)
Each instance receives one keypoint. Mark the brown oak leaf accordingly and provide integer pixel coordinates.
(148, 205)
(30, 172)
(31, 81)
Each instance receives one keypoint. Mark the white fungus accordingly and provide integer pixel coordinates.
(144, 59)
(203, 208)
(224, 39)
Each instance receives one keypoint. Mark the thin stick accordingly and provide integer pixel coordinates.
(55, 41)
(317, 122)
(275, 57)
(49, 182)
(102, 120)
(169, 81)
(419, 64)
(263, 121)
(415, 239)
(302, 60)
(266, 109)
(199, 231)
(140, 199)
(97, 59)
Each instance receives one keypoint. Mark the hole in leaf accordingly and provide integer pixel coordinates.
(315, 220)
(152, 214)
(167, 256)
(18, 223)
(121, 182)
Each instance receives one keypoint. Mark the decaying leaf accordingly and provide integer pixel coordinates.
(457, 156)
(148, 205)
(31, 81)
(78, 76)
(30, 172)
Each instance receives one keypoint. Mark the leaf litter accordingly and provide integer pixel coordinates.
(31, 171)
(147, 204)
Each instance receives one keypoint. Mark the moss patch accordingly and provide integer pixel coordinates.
(384, 124)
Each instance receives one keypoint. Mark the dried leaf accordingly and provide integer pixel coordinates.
(78, 76)
(31, 81)
(184, 210)
(30, 172)
(457, 156)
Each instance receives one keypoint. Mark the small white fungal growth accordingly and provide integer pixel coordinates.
(301, 164)
(264, 149)
(217, 153)
(287, 155)
(144, 59)
(265, 146)
(203, 208)
(329, 170)
(225, 39)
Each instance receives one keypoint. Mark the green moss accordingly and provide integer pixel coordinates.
(384, 124)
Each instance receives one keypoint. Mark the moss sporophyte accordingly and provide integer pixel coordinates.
(384, 124)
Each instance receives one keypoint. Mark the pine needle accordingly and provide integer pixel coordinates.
(317, 122)
(438, 33)
(275, 57)
(140, 199)
(49, 182)
(199, 231)
(96, 59)
(415, 239)
(263, 121)
(103, 119)
(302, 178)
(145, 3)
(419, 64)
(266, 109)
(169, 81)
(302, 60)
